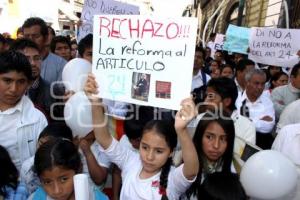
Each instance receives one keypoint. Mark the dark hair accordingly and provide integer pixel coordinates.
(295, 70)
(57, 129)
(136, 120)
(32, 21)
(167, 130)
(8, 173)
(223, 66)
(212, 35)
(228, 127)
(19, 30)
(226, 88)
(52, 31)
(275, 77)
(222, 186)
(15, 61)
(57, 152)
(21, 44)
(59, 39)
(84, 43)
(200, 49)
(74, 42)
(2, 39)
(242, 64)
(9, 42)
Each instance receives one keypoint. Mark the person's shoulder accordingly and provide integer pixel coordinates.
(31, 112)
(55, 58)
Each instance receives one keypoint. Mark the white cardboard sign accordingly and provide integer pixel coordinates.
(274, 46)
(143, 59)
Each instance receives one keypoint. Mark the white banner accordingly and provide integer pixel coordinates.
(218, 44)
(97, 7)
(144, 60)
(273, 46)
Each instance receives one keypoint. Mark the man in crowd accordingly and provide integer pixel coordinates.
(61, 46)
(39, 91)
(35, 28)
(243, 66)
(21, 122)
(258, 107)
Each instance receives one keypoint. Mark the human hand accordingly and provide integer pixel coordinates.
(68, 95)
(85, 146)
(91, 87)
(185, 114)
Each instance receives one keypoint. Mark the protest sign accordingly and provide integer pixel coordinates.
(144, 60)
(274, 46)
(237, 39)
(96, 7)
(218, 44)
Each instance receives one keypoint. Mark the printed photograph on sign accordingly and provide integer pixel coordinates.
(163, 89)
(140, 86)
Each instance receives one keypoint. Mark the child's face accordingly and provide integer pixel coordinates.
(58, 183)
(12, 87)
(154, 152)
(227, 72)
(135, 143)
(214, 142)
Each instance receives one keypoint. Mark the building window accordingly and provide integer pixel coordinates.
(233, 13)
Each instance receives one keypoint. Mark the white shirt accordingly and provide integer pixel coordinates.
(10, 120)
(124, 141)
(288, 142)
(19, 130)
(290, 115)
(197, 80)
(134, 187)
(263, 106)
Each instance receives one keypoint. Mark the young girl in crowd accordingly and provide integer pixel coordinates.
(214, 141)
(278, 79)
(10, 187)
(52, 131)
(149, 174)
(227, 71)
(55, 163)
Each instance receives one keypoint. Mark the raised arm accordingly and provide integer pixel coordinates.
(102, 135)
(189, 154)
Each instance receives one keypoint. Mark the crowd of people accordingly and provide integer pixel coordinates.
(163, 154)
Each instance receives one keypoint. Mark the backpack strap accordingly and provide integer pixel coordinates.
(203, 77)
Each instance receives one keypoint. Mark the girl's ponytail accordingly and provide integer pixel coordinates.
(163, 182)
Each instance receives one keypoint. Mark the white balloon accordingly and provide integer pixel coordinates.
(74, 74)
(78, 114)
(268, 175)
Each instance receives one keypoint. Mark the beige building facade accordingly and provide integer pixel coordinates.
(257, 13)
